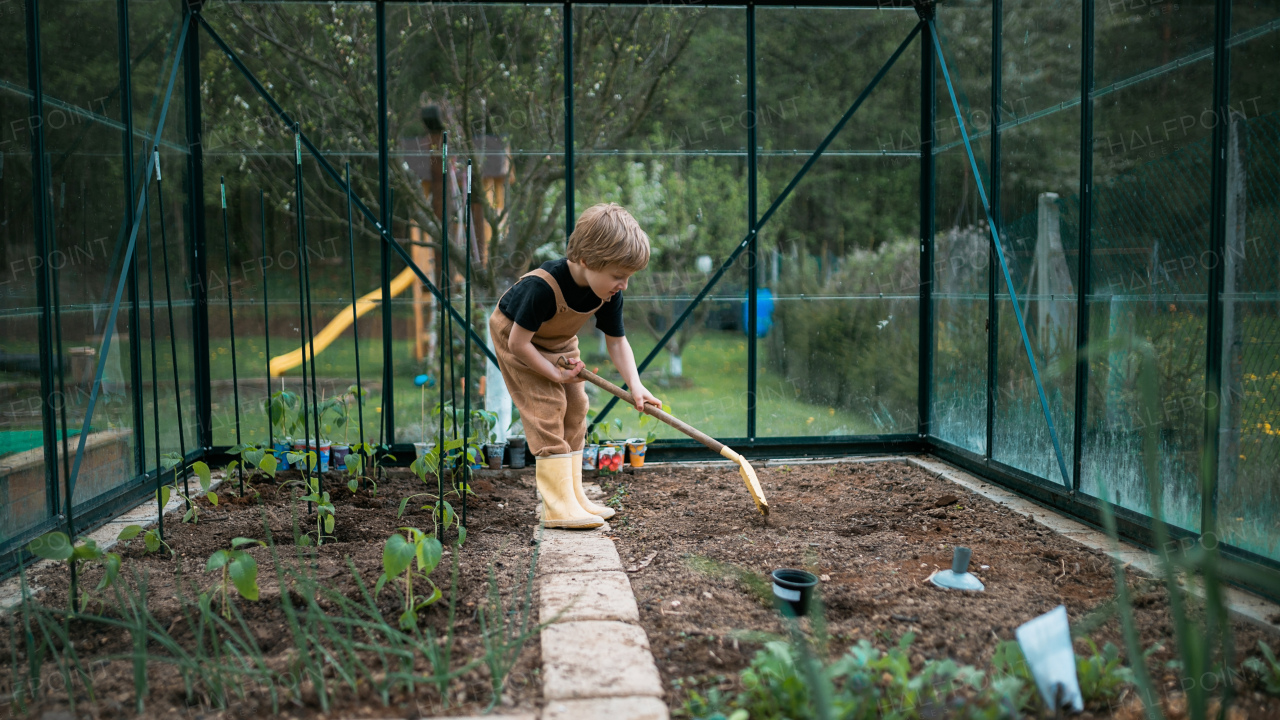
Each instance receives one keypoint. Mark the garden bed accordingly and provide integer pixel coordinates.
(501, 515)
(698, 555)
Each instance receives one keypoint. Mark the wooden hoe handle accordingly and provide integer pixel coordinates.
(715, 445)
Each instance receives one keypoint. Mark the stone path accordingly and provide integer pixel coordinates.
(596, 661)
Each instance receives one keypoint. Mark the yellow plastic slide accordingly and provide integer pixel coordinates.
(283, 363)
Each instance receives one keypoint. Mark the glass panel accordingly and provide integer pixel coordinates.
(248, 146)
(491, 77)
(1039, 194)
(1151, 214)
(86, 185)
(23, 499)
(1249, 450)
(962, 243)
(840, 257)
(671, 148)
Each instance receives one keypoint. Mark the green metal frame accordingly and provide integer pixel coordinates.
(1066, 499)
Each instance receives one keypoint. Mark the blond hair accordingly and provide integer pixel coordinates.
(606, 234)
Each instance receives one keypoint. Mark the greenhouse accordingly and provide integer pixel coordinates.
(949, 314)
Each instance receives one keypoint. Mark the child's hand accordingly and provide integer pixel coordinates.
(643, 397)
(569, 374)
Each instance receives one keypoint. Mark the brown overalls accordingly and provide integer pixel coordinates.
(554, 414)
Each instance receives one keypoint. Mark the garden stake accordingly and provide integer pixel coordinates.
(355, 323)
(466, 351)
(231, 321)
(173, 335)
(442, 337)
(744, 468)
(305, 263)
(155, 382)
(52, 278)
(302, 313)
(266, 319)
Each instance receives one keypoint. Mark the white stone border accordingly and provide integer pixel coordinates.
(596, 661)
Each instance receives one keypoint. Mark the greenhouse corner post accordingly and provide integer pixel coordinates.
(928, 112)
(384, 212)
(195, 203)
(566, 32)
(38, 217)
(1085, 260)
(1217, 248)
(753, 250)
(129, 172)
(993, 309)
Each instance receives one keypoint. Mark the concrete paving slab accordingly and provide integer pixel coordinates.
(577, 554)
(597, 659)
(587, 596)
(625, 708)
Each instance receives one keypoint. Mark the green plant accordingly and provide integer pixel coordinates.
(1266, 668)
(758, 584)
(284, 413)
(398, 557)
(253, 456)
(205, 477)
(333, 416)
(355, 471)
(324, 511)
(151, 539)
(58, 547)
(357, 393)
(238, 568)
(604, 433)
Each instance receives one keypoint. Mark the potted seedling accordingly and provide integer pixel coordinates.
(493, 450)
(637, 446)
(516, 444)
(282, 410)
(609, 461)
(333, 417)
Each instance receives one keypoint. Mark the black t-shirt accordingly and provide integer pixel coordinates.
(531, 301)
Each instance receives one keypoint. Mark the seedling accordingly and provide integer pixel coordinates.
(324, 511)
(150, 539)
(442, 514)
(355, 470)
(1267, 668)
(206, 484)
(255, 457)
(398, 556)
(239, 569)
(57, 546)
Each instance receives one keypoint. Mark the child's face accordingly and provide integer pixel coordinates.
(608, 280)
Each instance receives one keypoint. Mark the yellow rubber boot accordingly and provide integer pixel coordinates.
(555, 483)
(594, 509)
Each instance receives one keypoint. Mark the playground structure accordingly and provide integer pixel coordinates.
(496, 171)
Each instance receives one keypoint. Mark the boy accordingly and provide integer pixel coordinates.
(536, 324)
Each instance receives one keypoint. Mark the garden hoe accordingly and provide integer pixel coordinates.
(744, 467)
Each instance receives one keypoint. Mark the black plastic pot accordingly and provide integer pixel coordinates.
(515, 451)
(792, 590)
(493, 454)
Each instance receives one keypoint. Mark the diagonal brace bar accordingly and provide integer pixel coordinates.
(332, 172)
(1004, 267)
(109, 330)
(773, 208)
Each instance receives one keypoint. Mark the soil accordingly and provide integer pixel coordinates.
(501, 517)
(698, 554)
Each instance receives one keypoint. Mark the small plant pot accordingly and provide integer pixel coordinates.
(590, 454)
(635, 451)
(422, 448)
(338, 455)
(609, 462)
(281, 451)
(322, 454)
(792, 590)
(493, 453)
(515, 451)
